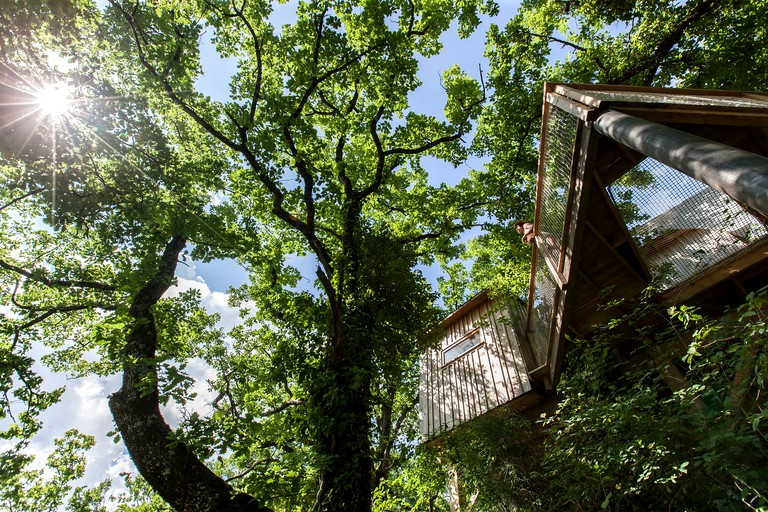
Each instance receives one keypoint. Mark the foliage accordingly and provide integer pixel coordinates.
(49, 488)
(677, 422)
(497, 459)
(315, 155)
(418, 485)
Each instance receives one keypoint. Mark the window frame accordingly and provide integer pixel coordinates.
(469, 335)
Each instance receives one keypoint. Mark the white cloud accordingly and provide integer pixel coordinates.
(84, 404)
(84, 407)
(201, 373)
(212, 301)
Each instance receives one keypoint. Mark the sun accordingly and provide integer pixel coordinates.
(54, 99)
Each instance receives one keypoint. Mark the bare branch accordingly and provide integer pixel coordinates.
(64, 309)
(256, 96)
(281, 407)
(39, 278)
(424, 147)
(21, 198)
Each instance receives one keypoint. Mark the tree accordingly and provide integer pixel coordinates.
(316, 153)
(697, 44)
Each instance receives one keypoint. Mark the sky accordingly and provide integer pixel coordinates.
(84, 404)
(428, 99)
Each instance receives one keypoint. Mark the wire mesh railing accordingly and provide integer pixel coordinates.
(678, 99)
(558, 156)
(544, 294)
(681, 226)
(558, 151)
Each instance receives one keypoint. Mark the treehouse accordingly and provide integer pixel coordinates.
(635, 185)
(478, 366)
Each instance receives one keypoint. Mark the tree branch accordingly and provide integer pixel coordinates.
(64, 309)
(39, 278)
(21, 198)
(256, 96)
(52, 311)
(425, 147)
(281, 407)
(168, 465)
(598, 62)
(380, 157)
(651, 63)
(138, 36)
(317, 80)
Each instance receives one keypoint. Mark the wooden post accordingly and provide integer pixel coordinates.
(740, 174)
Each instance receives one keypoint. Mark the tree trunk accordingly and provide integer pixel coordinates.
(345, 478)
(170, 467)
(342, 401)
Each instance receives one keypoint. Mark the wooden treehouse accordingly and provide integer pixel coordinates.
(478, 366)
(634, 185)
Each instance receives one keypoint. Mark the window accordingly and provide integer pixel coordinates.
(461, 347)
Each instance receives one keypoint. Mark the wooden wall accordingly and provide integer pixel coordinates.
(490, 374)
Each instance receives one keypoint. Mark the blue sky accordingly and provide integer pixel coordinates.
(428, 99)
(84, 405)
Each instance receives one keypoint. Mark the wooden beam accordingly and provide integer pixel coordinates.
(573, 235)
(728, 268)
(740, 174)
(572, 90)
(459, 313)
(646, 274)
(731, 117)
(616, 253)
(570, 106)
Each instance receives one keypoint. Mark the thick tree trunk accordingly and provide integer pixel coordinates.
(170, 467)
(345, 478)
(342, 396)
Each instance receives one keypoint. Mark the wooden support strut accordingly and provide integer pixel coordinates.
(738, 173)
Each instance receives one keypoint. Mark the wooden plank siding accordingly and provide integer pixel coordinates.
(488, 375)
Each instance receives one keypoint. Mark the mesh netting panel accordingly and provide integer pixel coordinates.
(558, 154)
(558, 146)
(681, 225)
(543, 309)
(671, 99)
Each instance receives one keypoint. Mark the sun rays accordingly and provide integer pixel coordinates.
(54, 99)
